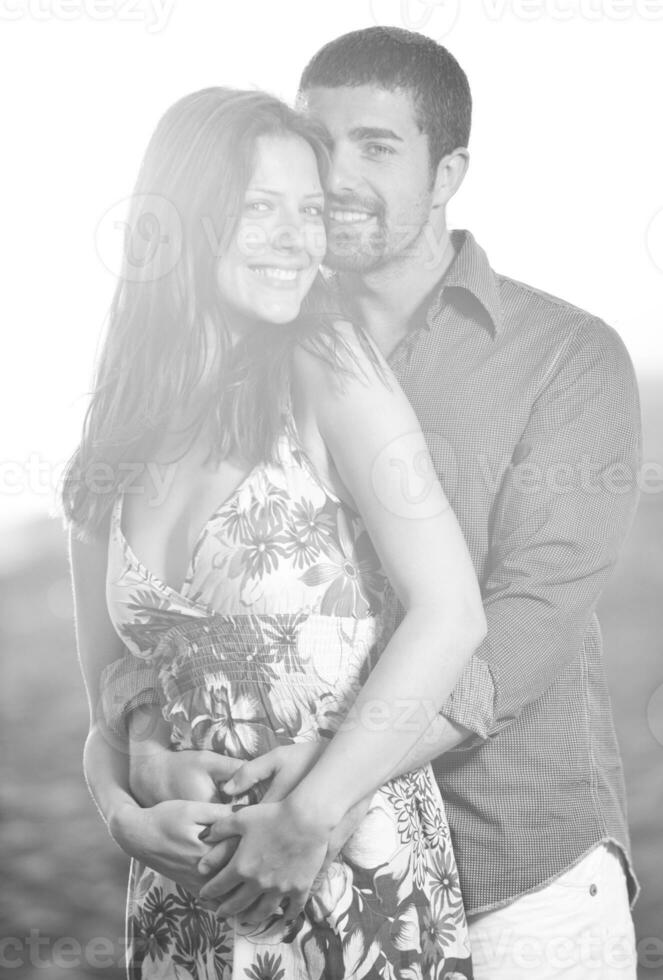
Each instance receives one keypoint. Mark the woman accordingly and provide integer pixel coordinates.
(228, 376)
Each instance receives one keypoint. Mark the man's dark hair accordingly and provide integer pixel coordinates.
(393, 58)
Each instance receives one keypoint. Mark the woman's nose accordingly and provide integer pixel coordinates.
(287, 236)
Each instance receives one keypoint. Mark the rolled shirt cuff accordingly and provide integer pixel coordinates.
(126, 686)
(471, 704)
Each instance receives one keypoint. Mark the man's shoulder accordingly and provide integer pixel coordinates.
(568, 332)
(514, 291)
(526, 305)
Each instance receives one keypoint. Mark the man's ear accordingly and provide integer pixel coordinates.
(449, 176)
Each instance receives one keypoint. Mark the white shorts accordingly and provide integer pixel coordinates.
(577, 927)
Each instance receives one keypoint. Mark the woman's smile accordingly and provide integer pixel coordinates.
(278, 276)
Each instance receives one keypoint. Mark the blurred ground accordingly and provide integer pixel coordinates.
(64, 877)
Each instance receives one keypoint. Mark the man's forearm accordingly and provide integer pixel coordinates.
(106, 768)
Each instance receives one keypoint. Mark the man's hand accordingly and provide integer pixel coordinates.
(165, 774)
(158, 773)
(166, 838)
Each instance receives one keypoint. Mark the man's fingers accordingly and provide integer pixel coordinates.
(209, 813)
(218, 857)
(265, 907)
(221, 884)
(224, 827)
(242, 898)
(295, 906)
(221, 767)
(250, 773)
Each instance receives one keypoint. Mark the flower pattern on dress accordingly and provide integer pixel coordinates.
(281, 617)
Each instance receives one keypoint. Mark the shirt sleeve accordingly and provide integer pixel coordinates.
(126, 684)
(564, 509)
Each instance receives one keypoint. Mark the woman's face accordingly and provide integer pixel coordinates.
(280, 240)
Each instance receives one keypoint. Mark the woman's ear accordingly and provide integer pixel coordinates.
(449, 176)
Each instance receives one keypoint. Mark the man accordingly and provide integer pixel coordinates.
(530, 409)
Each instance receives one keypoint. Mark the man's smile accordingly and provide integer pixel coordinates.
(349, 217)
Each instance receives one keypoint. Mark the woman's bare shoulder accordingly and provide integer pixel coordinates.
(345, 353)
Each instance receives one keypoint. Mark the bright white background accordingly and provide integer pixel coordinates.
(565, 189)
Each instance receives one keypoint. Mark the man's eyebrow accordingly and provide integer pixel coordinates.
(374, 133)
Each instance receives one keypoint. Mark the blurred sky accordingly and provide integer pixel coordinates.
(565, 189)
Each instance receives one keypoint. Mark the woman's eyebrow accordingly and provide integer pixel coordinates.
(277, 193)
(374, 133)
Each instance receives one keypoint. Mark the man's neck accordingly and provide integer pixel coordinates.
(386, 300)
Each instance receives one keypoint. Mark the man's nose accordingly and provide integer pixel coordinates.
(342, 177)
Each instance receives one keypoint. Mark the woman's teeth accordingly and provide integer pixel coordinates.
(350, 217)
(272, 272)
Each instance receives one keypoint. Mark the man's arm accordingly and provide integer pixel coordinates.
(561, 517)
(132, 703)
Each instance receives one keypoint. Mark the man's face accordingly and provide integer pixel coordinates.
(379, 190)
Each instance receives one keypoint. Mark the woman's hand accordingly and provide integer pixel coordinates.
(277, 860)
(166, 837)
(160, 774)
(285, 766)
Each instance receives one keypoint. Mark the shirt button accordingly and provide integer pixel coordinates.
(593, 890)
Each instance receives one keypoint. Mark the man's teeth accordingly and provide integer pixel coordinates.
(273, 272)
(350, 217)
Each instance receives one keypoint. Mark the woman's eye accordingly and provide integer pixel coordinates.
(316, 210)
(257, 206)
(378, 150)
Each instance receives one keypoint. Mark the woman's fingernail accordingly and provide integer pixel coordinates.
(204, 833)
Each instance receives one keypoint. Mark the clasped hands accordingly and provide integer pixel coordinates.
(247, 861)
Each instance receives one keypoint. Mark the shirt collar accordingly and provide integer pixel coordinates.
(469, 272)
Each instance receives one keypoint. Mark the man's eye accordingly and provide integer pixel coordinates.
(378, 150)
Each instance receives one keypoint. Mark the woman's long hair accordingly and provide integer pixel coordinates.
(168, 362)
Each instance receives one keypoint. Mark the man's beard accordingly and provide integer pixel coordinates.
(353, 247)
(363, 248)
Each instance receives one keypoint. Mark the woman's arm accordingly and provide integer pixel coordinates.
(165, 836)
(105, 760)
(380, 453)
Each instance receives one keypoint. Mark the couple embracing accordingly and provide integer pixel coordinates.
(349, 713)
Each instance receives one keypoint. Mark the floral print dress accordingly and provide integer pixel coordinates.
(282, 614)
